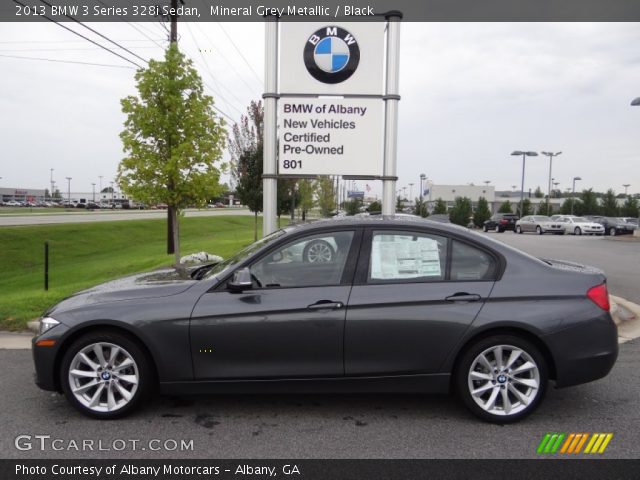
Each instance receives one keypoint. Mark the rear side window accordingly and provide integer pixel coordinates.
(470, 263)
(408, 257)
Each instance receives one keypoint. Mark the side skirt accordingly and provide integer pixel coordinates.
(434, 383)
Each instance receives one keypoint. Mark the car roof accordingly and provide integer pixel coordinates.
(397, 220)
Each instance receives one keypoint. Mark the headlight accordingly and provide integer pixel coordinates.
(47, 323)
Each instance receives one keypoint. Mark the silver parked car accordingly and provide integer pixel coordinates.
(539, 224)
(574, 225)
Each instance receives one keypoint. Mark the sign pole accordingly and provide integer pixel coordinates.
(391, 99)
(269, 173)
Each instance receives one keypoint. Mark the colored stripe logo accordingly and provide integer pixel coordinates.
(574, 443)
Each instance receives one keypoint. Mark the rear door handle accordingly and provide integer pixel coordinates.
(325, 305)
(463, 297)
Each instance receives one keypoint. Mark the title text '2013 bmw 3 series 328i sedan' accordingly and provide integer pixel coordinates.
(377, 304)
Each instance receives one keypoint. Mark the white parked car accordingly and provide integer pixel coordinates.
(539, 224)
(580, 226)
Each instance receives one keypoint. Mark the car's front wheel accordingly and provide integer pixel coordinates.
(612, 231)
(539, 230)
(518, 229)
(105, 374)
(577, 231)
(497, 229)
(501, 379)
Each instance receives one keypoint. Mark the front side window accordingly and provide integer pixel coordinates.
(400, 256)
(317, 260)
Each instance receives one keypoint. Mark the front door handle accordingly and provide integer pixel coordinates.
(325, 305)
(463, 297)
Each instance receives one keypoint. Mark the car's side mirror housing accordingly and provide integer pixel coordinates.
(241, 280)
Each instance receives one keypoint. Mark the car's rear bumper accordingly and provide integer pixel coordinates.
(585, 351)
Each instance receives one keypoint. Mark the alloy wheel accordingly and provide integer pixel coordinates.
(319, 252)
(103, 377)
(504, 380)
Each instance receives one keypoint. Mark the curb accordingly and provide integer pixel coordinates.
(626, 314)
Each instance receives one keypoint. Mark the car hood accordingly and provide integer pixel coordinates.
(159, 283)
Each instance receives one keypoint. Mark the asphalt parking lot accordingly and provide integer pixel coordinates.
(619, 257)
(320, 426)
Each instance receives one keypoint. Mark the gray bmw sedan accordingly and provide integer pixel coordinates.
(373, 304)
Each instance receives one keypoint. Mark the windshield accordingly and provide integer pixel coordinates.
(541, 219)
(243, 254)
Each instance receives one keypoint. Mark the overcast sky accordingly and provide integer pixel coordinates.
(471, 94)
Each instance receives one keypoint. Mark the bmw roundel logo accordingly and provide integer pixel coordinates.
(331, 55)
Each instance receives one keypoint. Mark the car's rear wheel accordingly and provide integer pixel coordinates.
(518, 229)
(105, 374)
(497, 229)
(501, 379)
(612, 232)
(484, 228)
(577, 231)
(539, 230)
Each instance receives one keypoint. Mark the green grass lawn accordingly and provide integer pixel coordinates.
(83, 255)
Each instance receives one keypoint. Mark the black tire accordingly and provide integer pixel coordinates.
(612, 232)
(461, 377)
(497, 229)
(145, 371)
(484, 228)
(327, 255)
(539, 230)
(518, 230)
(577, 231)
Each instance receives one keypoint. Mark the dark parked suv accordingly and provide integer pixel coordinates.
(501, 222)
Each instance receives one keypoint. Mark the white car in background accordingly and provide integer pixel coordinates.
(539, 224)
(574, 225)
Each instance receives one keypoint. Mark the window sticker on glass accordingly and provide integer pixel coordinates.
(397, 257)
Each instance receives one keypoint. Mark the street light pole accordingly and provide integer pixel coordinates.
(573, 193)
(550, 155)
(68, 190)
(410, 191)
(93, 188)
(524, 156)
(423, 177)
(51, 182)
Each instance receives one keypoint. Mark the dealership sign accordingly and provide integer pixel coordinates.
(330, 136)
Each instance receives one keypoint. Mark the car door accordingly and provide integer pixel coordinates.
(415, 295)
(290, 323)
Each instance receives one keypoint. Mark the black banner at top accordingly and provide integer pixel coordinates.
(321, 10)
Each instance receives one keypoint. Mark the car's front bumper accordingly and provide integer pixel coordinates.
(584, 351)
(44, 358)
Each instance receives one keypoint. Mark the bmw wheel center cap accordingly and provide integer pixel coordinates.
(331, 55)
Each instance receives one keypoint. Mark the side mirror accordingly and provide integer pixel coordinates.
(241, 280)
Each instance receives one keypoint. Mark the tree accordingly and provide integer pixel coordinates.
(565, 209)
(352, 207)
(306, 191)
(589, 202)
(420, 207)
(399, 204)
(482, 212)
(461, 211)
(285, 196)
(538, 193)
(505, 207)
(375, 206)
(609, 206)
(172, 139)
(326, 195)
(246, 147)
(526, 208)
(57, 194)
(543, 210)
(630, 207)
(440, 207)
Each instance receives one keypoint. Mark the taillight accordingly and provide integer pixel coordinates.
(600, 296)
(502, 222)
